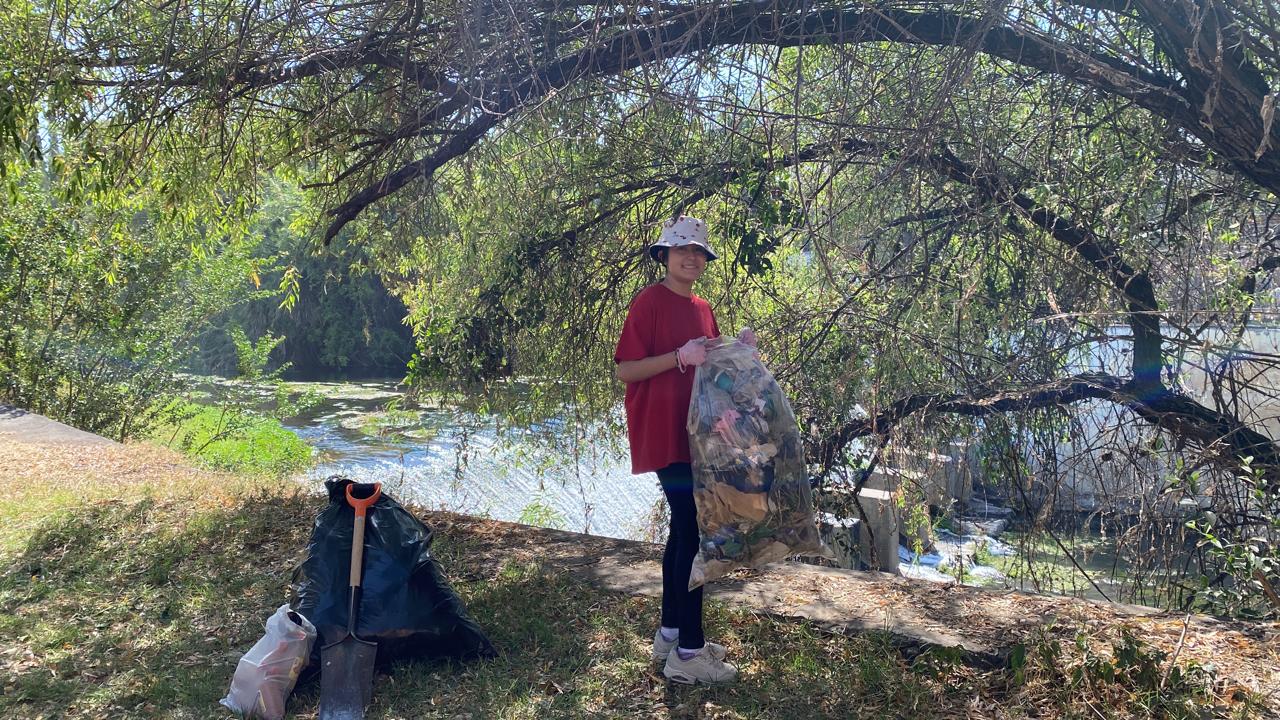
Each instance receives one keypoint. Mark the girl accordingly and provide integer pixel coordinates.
(663, 339)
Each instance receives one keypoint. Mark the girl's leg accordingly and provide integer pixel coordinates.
(681, 608)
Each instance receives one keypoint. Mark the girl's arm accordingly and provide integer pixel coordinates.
(636, 370)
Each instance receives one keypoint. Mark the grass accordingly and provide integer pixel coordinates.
(235, 441)
(132, 607)
(135, 599)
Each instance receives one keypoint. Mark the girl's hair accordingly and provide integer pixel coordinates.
(663, 252)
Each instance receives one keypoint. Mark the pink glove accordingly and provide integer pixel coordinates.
(747, 337)
(692, 353)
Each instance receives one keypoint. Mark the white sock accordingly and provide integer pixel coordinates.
(669, 633)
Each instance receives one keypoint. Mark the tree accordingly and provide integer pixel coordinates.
(431, 81)
(934, 206)
(334, 314)
(101, 307)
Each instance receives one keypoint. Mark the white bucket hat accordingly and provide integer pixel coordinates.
(684, 230)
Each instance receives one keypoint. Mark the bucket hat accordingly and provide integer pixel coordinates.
(683, 230)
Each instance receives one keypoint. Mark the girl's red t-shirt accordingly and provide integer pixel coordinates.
(660, 321)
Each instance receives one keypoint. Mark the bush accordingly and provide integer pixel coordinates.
(1242, 552)
(256, 445)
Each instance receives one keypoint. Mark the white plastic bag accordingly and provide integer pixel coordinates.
(751, 487)
(266, 674)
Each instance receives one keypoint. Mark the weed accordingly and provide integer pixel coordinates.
(541, 514)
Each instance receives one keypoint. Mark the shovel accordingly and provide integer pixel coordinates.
(346, 666)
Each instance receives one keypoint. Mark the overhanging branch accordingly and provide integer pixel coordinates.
(1221, 436)
(1090, 386)
(779, 24)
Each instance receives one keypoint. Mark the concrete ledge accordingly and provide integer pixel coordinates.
(18, 425)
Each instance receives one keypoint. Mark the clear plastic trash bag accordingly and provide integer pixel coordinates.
(751, 486)
(266, 674)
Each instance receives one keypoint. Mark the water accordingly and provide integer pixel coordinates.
(444, 458)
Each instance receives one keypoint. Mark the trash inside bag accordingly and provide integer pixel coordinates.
(751, 487)
(266, 674)
(406, 604)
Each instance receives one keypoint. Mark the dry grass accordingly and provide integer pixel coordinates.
(44, 480)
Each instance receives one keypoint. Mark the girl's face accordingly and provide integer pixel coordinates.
(686, 263)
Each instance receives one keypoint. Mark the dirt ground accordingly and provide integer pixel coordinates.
(986, 623)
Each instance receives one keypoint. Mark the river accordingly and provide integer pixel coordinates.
(444, 458)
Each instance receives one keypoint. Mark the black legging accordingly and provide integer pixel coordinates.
(681, 607)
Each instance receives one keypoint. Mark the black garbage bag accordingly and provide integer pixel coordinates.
(406, 605)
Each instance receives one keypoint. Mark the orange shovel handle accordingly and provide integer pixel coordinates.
(361, 505)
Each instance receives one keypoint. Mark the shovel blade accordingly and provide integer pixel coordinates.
(346, 678)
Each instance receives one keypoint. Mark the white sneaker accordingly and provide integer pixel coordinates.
(701, 668)
(662, 648)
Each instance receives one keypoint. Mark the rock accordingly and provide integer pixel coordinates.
(991, 528)
(982, 509)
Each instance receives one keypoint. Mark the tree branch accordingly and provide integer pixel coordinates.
(1134, 285)
(1223, 437)
(781, 24)
(1055, 394)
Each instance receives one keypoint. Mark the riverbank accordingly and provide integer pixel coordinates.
(132, 582)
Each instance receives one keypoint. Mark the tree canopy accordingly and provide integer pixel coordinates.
(931, 211)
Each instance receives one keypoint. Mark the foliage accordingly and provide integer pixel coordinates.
(101, 304)
(541, 514)
(1248, 562)
(252, 356)
(219, 439)
(238, 426)
(334, 314)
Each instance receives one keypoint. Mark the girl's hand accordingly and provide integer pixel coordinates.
(692, 353)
